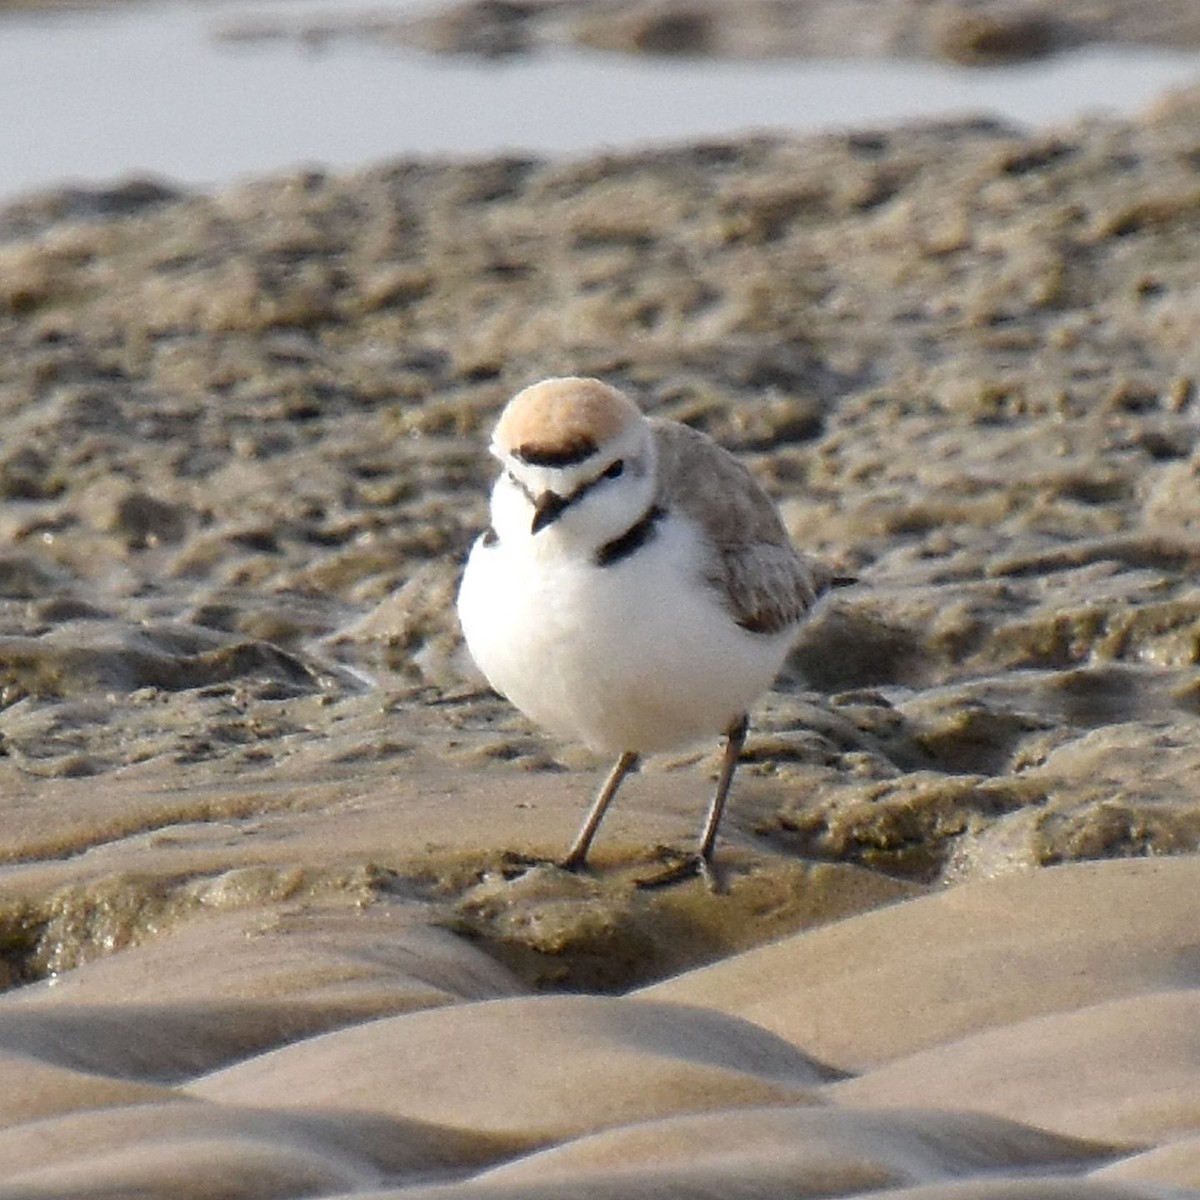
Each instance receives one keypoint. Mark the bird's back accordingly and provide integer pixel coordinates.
(768, 584)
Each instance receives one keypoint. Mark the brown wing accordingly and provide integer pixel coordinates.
(768, 584)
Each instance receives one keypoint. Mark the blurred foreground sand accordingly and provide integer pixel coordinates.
(1028, 1036)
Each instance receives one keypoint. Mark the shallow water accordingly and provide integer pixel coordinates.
(151, 89)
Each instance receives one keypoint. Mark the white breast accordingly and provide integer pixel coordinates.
(641, 655)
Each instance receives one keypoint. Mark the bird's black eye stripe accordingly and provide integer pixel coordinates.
(614, 469)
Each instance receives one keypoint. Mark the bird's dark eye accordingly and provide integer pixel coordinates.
(615, 469)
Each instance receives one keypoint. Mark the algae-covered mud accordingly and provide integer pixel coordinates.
(267, 922)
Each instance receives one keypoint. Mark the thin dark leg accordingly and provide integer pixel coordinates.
(577, 855)
(735, 739)
(701, 863)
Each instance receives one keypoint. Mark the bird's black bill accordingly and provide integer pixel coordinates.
(548, 508)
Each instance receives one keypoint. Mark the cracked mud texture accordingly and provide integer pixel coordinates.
(247, 773)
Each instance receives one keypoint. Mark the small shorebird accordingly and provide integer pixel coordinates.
(636, 590)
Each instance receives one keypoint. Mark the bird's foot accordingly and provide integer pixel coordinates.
(575, 863)
(514, 864)
(680, 866)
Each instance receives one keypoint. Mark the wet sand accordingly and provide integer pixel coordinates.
(266, 924)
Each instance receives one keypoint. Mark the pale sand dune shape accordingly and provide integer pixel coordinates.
(160, 1043)
(191, 1169)
(1176, 1163)
(539, 1069)
(1027, 1189)
(867, 990)
(746, 1184)
(135, 1142)
(31, 1089)
(794, 1152)
(607, 1187)
(374, 960)
(915, 1145)
(222, 988)
(1125, 1070)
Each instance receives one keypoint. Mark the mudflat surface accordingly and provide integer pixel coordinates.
(266, 923)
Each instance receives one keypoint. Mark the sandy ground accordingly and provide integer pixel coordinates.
(266, 924)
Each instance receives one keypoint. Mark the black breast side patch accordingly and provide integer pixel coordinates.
(632, 540)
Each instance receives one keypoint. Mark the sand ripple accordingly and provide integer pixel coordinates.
(974, 1058)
